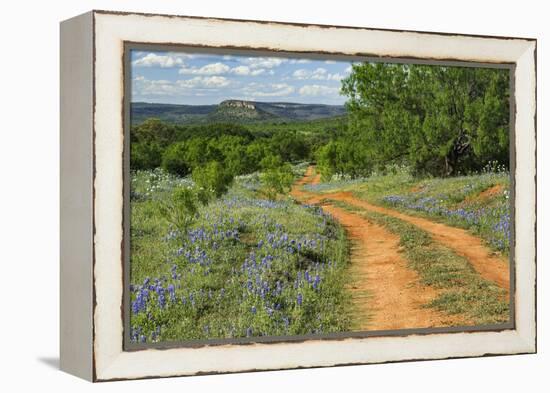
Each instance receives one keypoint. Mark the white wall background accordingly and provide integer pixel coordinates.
(29, 198)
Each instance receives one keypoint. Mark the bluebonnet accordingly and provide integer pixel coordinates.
(172, 292)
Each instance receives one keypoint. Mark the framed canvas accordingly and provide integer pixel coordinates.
(245, 195)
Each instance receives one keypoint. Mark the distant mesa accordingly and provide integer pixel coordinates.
(234, 111)
(238, 104)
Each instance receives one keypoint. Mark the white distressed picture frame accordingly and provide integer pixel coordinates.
(92, 142)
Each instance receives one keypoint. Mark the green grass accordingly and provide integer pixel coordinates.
(245, 267)
(464, 291)
(455, 200)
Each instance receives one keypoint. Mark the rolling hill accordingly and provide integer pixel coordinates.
(234, 111)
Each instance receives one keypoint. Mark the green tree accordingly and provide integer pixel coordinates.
(201, 150)
(235, 157)
(154, 131)
(289, 145)
(145, 155)
(255, 152)
(212, 179)
(440, 120)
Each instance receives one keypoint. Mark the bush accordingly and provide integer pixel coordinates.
(213, 178)
(271, 162)
(276, 181)
(173, 159)
(145, 155)
(181, 209)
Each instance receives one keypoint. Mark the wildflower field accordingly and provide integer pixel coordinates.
(245, 267)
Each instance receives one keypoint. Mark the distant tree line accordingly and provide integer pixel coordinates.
(214, 154)
(439, 121)
(181, 149)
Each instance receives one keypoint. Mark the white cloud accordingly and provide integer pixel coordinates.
(264, 62)
(245, 70)
(348, 69)
(208, 69)
(220, 69)
(163, 61)
(267, 90)
(205, 82)
(145, 87)
(241, 70)
(330, 62)
(302, 73)
(317, 74)
(142, 87)
(335, 77)
(317, 90)
(260, 71)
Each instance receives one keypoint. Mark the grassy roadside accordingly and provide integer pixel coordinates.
(479, 202)
(463, 290)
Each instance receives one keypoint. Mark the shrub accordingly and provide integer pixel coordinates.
(213, 178)
(181, 209)
(276, 181)
(145, 155)
(173, 159)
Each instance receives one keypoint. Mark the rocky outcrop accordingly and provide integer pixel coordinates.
(238, 104)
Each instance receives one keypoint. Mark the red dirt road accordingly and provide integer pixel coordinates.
(386, 294)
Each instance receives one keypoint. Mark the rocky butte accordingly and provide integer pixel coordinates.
(238, 104)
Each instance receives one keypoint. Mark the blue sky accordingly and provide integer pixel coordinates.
(199, 78)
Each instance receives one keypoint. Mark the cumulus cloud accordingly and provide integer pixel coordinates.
(264, 62)
(320, 74)
(146, 87)
(243, 70)
(267, 90)
(164, 61)
(301, 74)
(208, 69)
(221, 69)
(143, 87)
(335, 77)
(205, 82)
(317, 90)
(260, 71)
(317, 74)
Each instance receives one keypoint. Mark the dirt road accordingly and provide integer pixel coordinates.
(386, 294)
